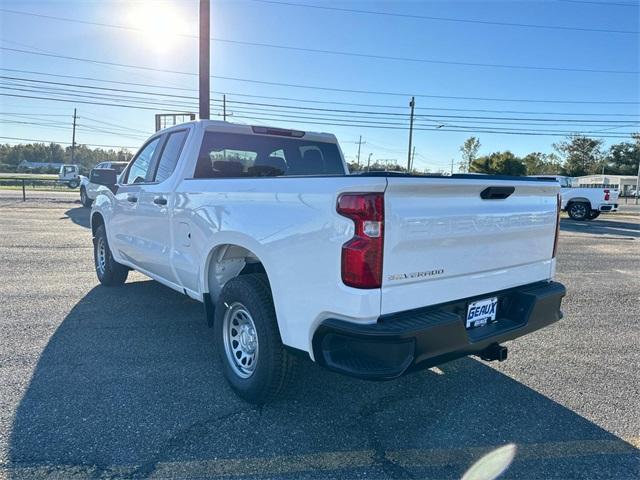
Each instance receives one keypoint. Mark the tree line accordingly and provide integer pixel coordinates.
(12, 155)
(574, 156)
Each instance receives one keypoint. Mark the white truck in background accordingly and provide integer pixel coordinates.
(585, 203)
(69, 174)
(370, 275)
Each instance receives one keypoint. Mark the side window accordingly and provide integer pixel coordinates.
(100, 166)
(140, 167)
(170, 155)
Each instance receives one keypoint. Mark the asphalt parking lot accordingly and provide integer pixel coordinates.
(123, 383)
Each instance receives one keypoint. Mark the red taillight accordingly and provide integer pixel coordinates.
(362, 255)
(555, 240)
(606, 195)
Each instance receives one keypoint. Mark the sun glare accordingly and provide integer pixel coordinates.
(160, 24)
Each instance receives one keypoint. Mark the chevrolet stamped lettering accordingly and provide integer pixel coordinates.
(403, 276)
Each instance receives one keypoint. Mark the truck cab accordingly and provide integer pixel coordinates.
(69, 174)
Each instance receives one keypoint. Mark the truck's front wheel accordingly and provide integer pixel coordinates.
(110, 273)
(254, 360)
(84, 198)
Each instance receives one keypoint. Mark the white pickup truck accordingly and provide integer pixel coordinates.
(585, 203)
(89, 189)
(371, 275)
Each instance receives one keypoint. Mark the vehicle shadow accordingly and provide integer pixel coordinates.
(128, 386)
(602, 227)
(79, 216)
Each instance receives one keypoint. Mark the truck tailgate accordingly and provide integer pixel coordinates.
(444, 242)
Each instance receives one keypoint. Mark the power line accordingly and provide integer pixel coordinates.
(319, 102)
(97, 97)
(339, 52)
(92, 87)
(39, 114)
(322, 114)
(363, 123)
(80, 127)
(34, 97)
(460, 129)
(254, 106)
(315, 87)
(447, 19)
(389, 127)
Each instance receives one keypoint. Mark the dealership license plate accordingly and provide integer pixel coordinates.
(481, 312)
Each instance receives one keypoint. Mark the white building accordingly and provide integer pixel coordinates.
(623, 183)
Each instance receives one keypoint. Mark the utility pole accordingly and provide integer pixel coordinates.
(413, 158)
(224, 107)
(412, 104)
(204, 56)
(638, 182)
(360, 142)
(452, 166)
(369, 162)
(73, 138)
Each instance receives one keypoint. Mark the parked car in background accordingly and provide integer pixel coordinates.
(372, 275)
(89, 190)
(584, 203)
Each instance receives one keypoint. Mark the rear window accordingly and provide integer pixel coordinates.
(239, 155)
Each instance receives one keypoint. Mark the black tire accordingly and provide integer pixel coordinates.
(273, 367)
(73, 183)
(593, 214)
(84, 198)
(109, 272)
(579, 210)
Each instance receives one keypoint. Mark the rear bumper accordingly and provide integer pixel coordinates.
(422, 338)
(611, 207)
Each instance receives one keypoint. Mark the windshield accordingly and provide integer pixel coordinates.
(242, 155)
(565, 181)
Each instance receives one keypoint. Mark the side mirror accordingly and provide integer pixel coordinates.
(103, 176)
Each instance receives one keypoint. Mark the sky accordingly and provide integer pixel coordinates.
(581, 75)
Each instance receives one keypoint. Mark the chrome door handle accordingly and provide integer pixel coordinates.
(160, 201)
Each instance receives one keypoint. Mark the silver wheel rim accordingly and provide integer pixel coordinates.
(240, 340)
(579, 210)
(101, 256)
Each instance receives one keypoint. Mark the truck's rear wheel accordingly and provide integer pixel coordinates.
(579, 210)
(254, 360)
(84, 198)
(73, 183)
(110, 273)
(593, 214)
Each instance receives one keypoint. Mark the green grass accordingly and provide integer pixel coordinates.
(39, 188)
(38, 181)
(30, 176)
